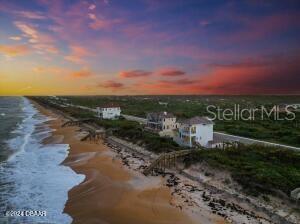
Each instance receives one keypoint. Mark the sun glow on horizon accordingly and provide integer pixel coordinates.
(149, 47)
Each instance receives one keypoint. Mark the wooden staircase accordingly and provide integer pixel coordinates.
(166, 160)
(73, 122)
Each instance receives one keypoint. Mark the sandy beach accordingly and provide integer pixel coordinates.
(111, 193)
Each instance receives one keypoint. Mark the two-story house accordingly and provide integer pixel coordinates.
(195, 131)
(161, 121)
(109, 111)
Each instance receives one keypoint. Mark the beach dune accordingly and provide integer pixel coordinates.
(107, 194)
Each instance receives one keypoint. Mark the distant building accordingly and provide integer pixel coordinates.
(163, 103)
(195, 131)
(109, 111)
(161, 121)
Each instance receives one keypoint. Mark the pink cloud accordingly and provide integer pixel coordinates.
(30, 14)
(101, 23)
(16, 38)
(92, 7)
(77, 54)
(256, 77)
(28, 31)
(263, 75)
(39, 41)
(14, 50)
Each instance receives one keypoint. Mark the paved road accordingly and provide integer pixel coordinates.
(228, 137)
(217, 135)
(134, 118)
(223, 136)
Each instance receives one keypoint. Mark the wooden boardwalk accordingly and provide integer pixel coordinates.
(166, 160)
(93, 133)
(73, 122)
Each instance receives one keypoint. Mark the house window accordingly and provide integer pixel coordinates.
(193, 130)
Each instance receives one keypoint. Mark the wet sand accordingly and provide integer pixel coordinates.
(107, 194)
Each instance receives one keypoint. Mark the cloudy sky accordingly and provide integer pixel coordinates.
(149, 47)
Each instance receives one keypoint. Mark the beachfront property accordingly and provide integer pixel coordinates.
(109, 111)
(195, 131)
(162, 122)
(163, 103)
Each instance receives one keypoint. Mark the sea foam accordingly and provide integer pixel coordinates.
(40, 181)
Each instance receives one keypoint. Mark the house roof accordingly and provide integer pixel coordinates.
(197, 120)
(157, 115)
(110, 105)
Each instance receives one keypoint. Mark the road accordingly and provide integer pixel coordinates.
(223, 136)
(134, 118)
(217, 135)
(244, 140)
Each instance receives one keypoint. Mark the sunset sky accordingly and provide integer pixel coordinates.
(149, 47)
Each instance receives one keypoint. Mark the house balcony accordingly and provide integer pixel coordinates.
(187, 133)
(153, 125)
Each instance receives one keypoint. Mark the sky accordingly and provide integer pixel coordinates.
(135, 47)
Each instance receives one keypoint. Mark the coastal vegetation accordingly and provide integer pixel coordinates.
(269, 129)
(127, 130)
(257, 168)
(133, 132)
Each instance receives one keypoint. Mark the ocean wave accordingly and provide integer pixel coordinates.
(33, 178)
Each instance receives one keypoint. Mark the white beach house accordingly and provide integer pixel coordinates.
(195, 131)
(109, 111)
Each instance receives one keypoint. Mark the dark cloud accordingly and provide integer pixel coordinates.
(171, 72)
(111, 84)
(134, 74)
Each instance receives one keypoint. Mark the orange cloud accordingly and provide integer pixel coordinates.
(134, 74)
(81, 74)
(14, 50)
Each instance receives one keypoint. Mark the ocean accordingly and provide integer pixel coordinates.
(32, 177)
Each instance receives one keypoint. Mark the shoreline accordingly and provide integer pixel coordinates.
(197, 202)
(112, 193)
